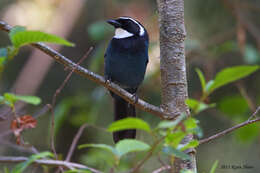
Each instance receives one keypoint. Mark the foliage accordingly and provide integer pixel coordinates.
(129, 123)
(229, 75)
(19, 37)
(22, 38)
(10, 99)
(214, 166)
(22, 166)
(222, 78)
(122, 148)
(171, 134)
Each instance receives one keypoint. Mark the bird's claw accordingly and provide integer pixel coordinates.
(135, 96)
(107, 81)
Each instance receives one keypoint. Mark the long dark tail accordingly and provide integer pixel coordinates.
(122, 110)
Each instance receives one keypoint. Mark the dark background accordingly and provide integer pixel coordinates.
(217, 37)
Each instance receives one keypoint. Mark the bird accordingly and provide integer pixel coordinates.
(125, 62)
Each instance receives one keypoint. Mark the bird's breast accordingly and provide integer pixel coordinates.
(126, 63)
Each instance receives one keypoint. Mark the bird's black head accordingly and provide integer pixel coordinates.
(127, 27)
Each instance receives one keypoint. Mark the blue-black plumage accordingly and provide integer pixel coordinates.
(126, 59)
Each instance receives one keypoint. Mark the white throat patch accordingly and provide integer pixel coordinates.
(121, 33)
(141, 33)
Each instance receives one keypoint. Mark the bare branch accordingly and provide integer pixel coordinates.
(246, 96)
(203, 141)
(75, 141)
(155, 110)
(254, 114)
(58, 163)
(57, 92)
(28, 149)
(162, 169)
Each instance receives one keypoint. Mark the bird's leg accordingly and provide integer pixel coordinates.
(135, 96)
(108, 79)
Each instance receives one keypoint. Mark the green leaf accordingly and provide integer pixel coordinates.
(198, 106)
(122, 147)
(12, 98)
(214, 166)
(15, 30)
(171, 124)
(29, 99)
(130, 145)
(202, 79)
(2, 61)
(173, 139)
(6, 170)
(190, 123)
(97, 157)
(177, 153)
(231, 74)
(233, 105)
(209, 85)
(251, 55)
(192, 144)
(9, 99)
(22, 166)
(27, 37)
(12, 52)
(3, 57)
(129, 123)
(198, 131)
(3, 52)
(248, 133)
(101, 146)
(225, 47)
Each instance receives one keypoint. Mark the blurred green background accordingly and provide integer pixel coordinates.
(219, 34)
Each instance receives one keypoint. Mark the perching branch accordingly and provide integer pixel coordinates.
(155, 110)
(59, 163)
(249, 121)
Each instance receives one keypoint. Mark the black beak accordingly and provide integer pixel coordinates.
(115, 23)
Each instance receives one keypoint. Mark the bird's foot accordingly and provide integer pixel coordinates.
(107, 80)
(135, 96)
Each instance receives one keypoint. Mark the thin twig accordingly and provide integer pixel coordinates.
(162, 169)
(243, 92)
(35, 115)
(59, 163)
(24, 148)
(42, 111)
(155, 110)
(57, 92)
(254, 114)
(75, 141)
(206, 140)
(28, 149)
(160, 160)
(149, 154)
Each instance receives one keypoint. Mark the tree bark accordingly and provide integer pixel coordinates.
(173, 67)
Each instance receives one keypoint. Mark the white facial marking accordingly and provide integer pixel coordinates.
(121, 33)
(141, 33)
